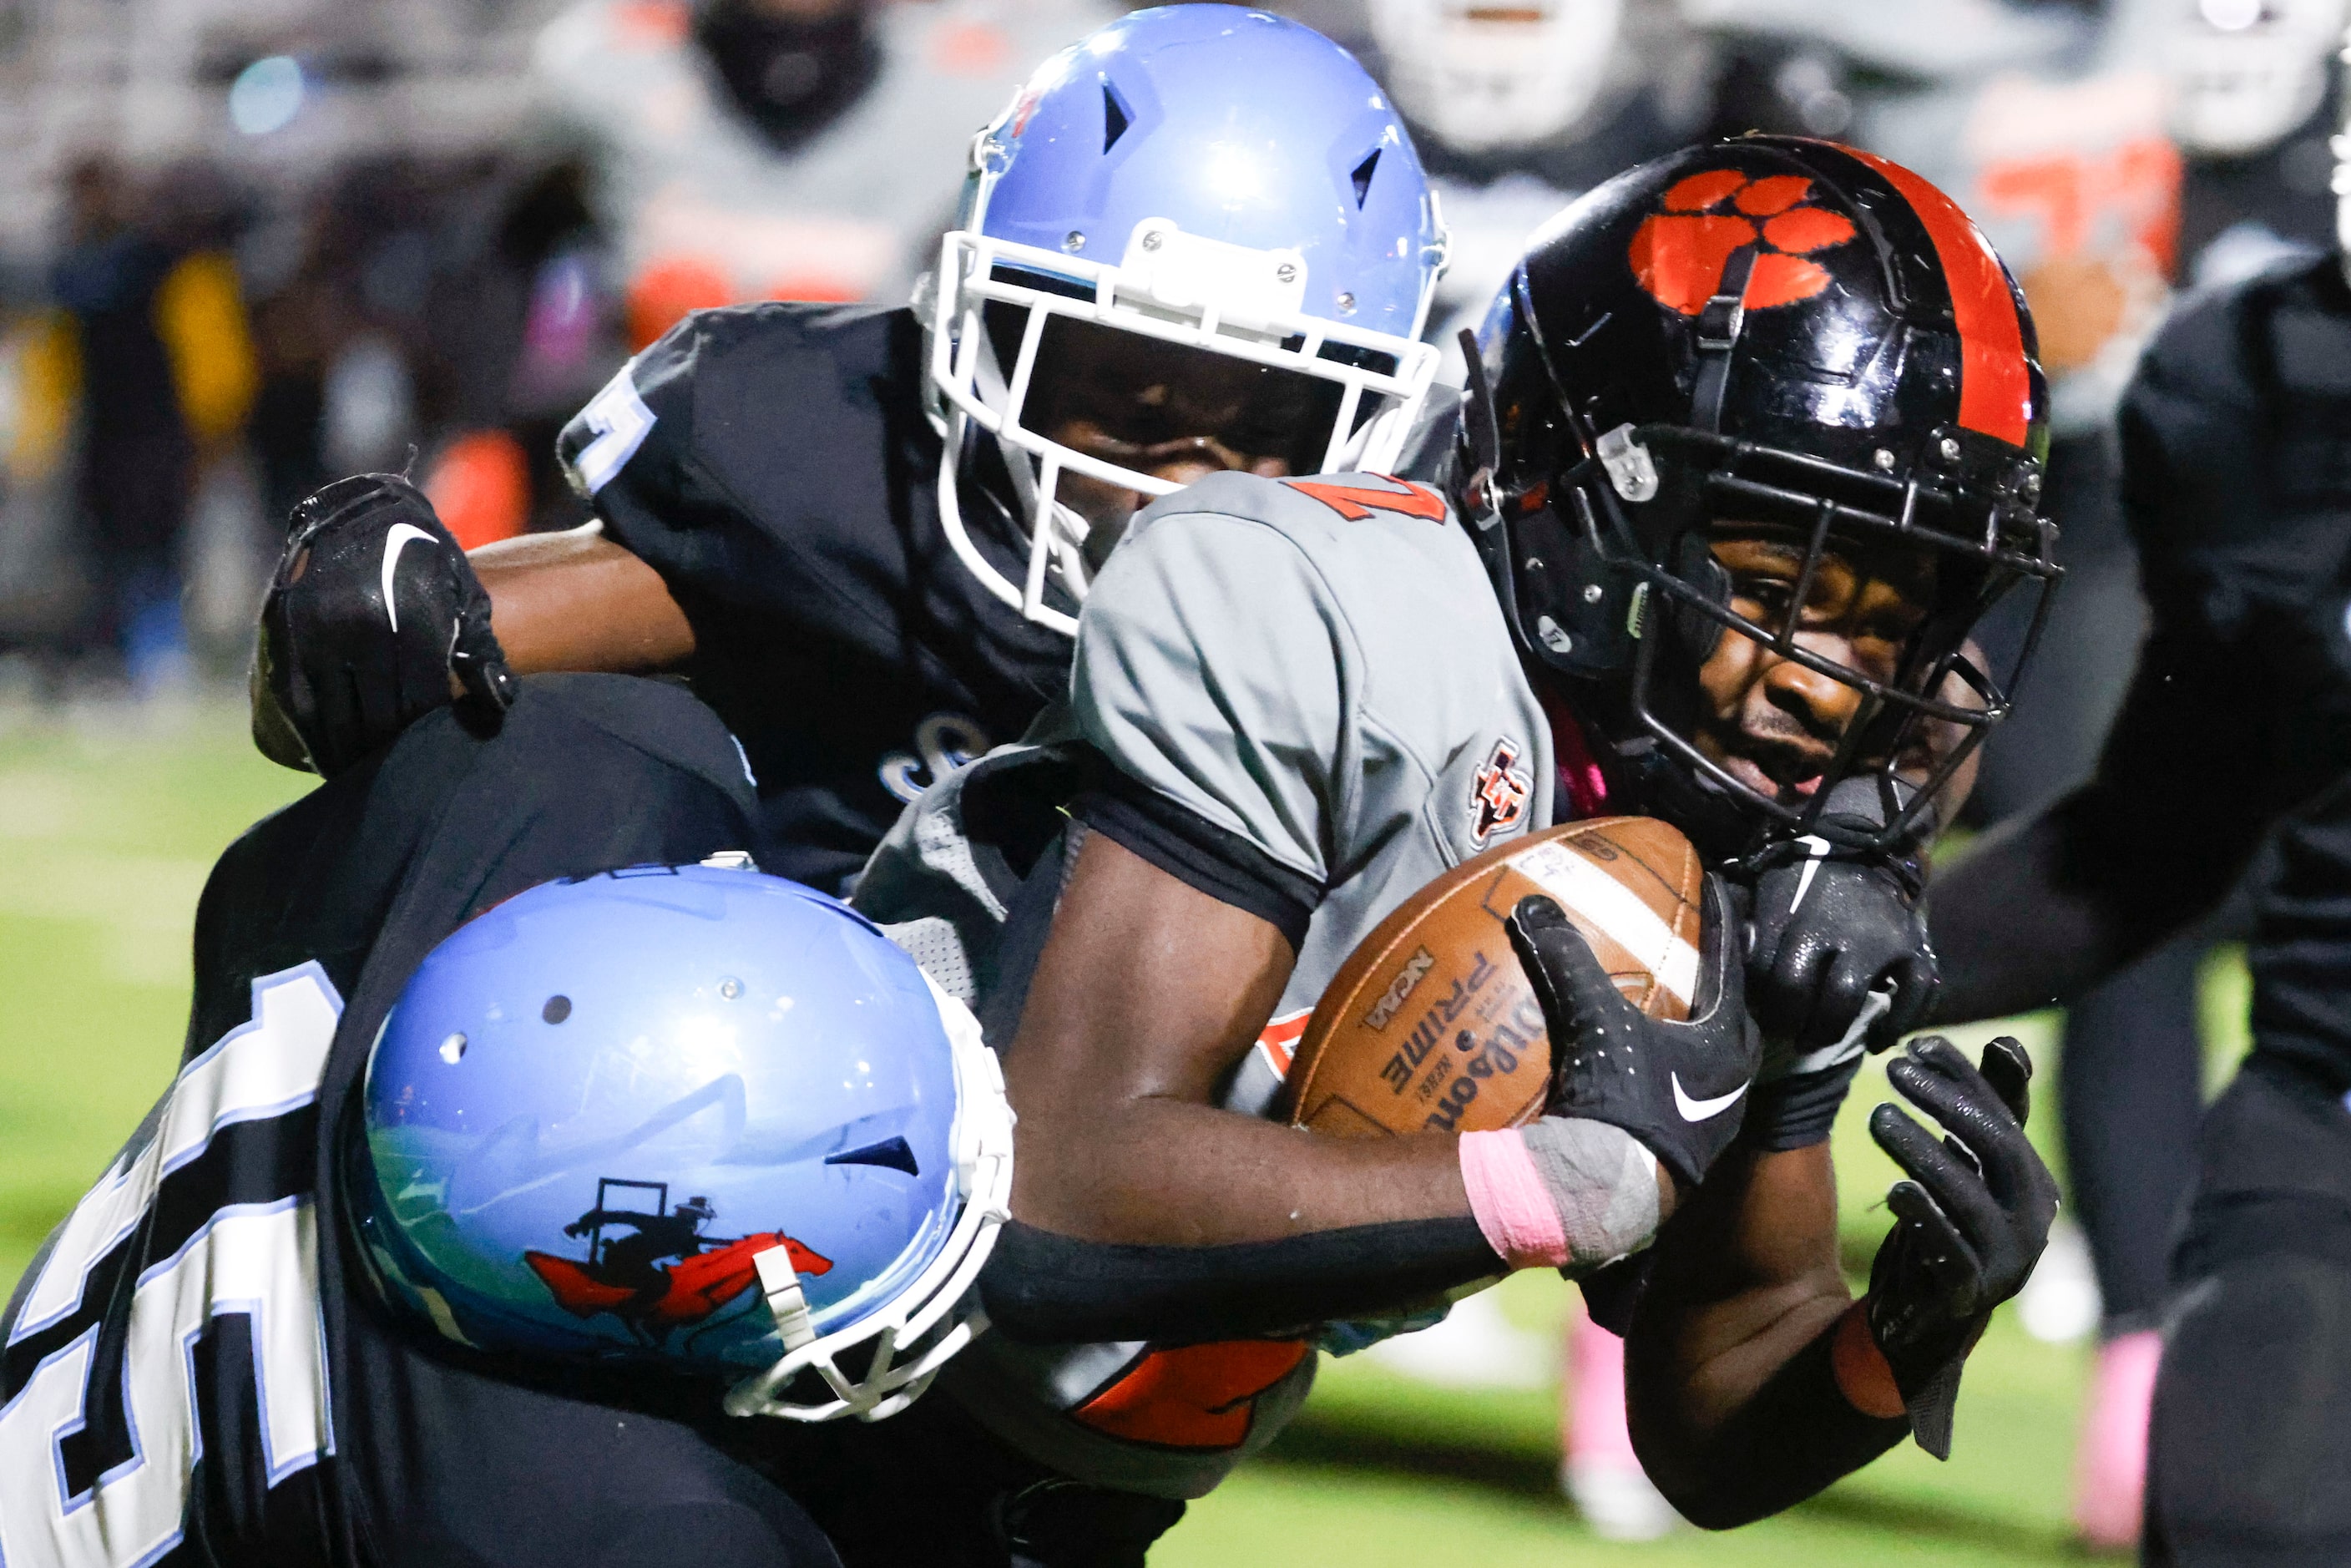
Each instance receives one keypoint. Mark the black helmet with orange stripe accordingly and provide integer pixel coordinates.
(1783, 361)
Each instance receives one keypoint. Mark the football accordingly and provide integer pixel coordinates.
(1431, 1022)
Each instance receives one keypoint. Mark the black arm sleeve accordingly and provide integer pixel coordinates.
(2237, 712)
(1796, 1113)
(2046, 907)
(1043, 1287)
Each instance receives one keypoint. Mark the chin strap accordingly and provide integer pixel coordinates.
(1482, 434)
(780, 1284)
(1719, 325)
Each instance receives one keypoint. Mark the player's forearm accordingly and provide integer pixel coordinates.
(2047, 907)
(1190, 1222)
(1729, 1345)
(1793, 1435)
(1163, 1172)
(576, 600)
(2011, 936)
(2190, 778)
(1148, 993)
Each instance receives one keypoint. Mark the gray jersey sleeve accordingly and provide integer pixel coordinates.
(1212, 667)
(1306, 665)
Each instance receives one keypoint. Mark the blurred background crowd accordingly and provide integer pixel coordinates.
(246, 246)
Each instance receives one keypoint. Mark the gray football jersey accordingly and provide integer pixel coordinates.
(1318, 667)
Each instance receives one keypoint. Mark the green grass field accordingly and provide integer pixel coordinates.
(109, 819)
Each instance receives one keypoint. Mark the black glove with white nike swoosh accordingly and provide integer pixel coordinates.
(1971, 1219)
(374, 608)
(1837, 950)
(1679, 1089)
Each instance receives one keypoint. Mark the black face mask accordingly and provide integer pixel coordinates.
(791, 78)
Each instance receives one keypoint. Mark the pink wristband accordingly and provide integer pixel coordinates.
(1509, 1202)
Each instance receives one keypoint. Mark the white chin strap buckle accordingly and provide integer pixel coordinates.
(780, 1284)
(1631, 471)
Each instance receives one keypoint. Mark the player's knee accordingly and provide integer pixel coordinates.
(2250, 1456)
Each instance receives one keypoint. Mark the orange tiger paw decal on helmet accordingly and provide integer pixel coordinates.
(1679, 254)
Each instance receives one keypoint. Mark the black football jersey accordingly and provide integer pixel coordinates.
(2236, 446)
(776, 465)
(2237, 483)
(193, 1369)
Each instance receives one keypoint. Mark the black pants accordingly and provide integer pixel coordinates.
(2130, 1095)
(2250, 1456)
(446, 1457)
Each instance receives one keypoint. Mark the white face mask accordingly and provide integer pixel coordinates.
(1505, 73)
(2246, 72)
(1173, 288)
(2343, 164)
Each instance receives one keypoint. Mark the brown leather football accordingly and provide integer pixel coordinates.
(1431, 1022)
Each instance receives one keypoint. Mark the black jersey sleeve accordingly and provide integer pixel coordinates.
(2238, 490)
(748, 456)
(774, 463)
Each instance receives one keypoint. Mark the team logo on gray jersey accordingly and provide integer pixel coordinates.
(1499, 793)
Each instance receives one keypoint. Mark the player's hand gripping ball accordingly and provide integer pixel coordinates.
(1678, 1088)
(1433, 1023)
(373, 610)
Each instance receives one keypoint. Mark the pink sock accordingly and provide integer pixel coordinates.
(2110, 1460)
(1597, 1433)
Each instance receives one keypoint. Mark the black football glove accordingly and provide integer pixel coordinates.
(1836, 945)
(372, 609)
(1680, 1088)
(1970, 1222)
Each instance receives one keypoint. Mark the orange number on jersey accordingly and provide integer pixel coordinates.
(1195, 1396)
(1356, 502)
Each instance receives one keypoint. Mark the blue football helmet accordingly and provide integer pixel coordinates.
(1220, 180)
(694, 1116)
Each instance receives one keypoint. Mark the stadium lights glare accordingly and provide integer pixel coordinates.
(266, 95)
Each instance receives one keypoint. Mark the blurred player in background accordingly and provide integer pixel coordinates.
(1519, 109)
(2254, 101)
(435, 304)
(687, 153)
(165, 371)
(2235, 444)
(804, 149)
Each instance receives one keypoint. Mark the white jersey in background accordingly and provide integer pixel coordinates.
(704, 209)
(1518, 110)
(2047, 124)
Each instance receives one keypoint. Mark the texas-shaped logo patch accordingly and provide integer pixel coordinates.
(1499, 793)
(1678, 255)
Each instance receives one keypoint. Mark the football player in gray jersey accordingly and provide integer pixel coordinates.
(1755, 440)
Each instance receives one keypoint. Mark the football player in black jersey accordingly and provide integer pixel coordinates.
(865, 556)
(2237, 485)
